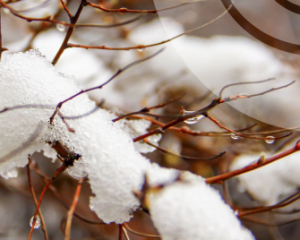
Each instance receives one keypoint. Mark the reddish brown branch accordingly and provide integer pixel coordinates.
(59, 197)
(58, 171)
(125, 10)
(72, 210)
(148, 109)
(44, 229)
(243, 135)
(73, 20)
(253, 166)
(28, 19)
(140, 46)
(59, 105)
(243, 83)
(72, 24)
(66, 9)
(202, 111)
(294, 197)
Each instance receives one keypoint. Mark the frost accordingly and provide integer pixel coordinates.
(199, 212)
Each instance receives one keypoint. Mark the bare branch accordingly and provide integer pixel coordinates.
(140, 46)
(102, 85)
(251, 167)
(243, 83)
(35, 200)
(72, 210)
(125, 10)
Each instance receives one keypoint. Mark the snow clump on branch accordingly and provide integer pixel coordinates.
(31, 88)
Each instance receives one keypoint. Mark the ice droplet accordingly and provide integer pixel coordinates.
(234, 136)
(60, 27)
(192, 120)
(236, 212)
(270, 139)
(37, 222)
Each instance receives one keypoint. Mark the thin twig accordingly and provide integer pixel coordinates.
(125, 233)
(204, 111)
(125, 10)
(149, 45)
(57, 195)
(241, 134)
(59, 105)
(48, 19)
(73, 20)
(44, 229)
(228, 99)
(72, 209)
(253, 166)
(67, 10)
(243, 83)
(288, 201)
(58, 171)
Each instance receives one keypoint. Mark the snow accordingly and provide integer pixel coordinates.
(29, 79)
(200, 212)
(109, 157)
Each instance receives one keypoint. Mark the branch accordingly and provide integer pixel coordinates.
(251, 167)
(58, 171)
(125, 10)
(72, 209)
(243, 135)
(59, 105)
(73, 20)
(35, 200)
(103, 47)
(56, 194)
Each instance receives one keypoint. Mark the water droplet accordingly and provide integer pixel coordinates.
(6, 11)
(192, 120)
(37, 222)
(243, 94)
(123, 9)
(60, 27)
(234, 136)
(236, 212)
(140, 48)
(270, 139)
